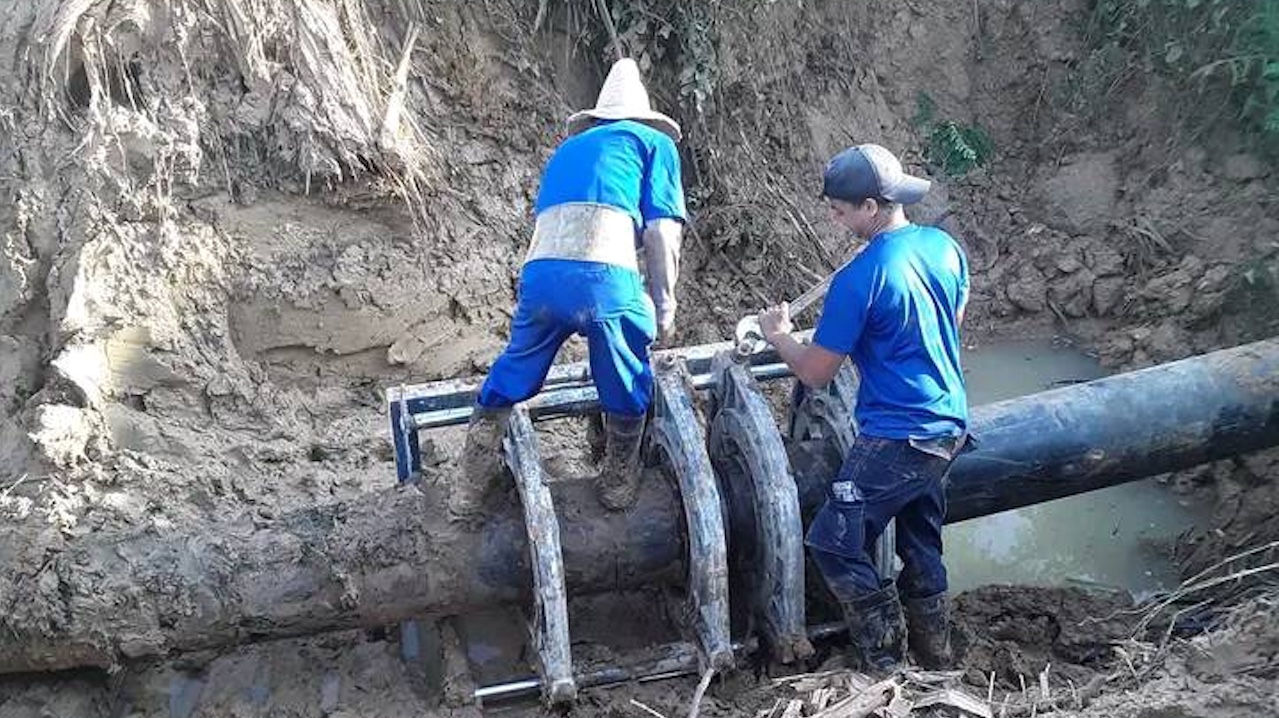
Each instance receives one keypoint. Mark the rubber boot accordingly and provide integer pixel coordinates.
(595, 436)
(875, 629)
(482, 460)
(928, 621)
(618, 480)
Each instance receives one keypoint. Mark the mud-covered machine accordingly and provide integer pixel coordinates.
(727, 491)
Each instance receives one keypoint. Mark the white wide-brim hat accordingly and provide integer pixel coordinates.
(623, 97)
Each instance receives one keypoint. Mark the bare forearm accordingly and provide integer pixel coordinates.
(814, 365)
(799, 358)
(662, 239)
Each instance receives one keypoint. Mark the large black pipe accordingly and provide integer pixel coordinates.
(1118, 429)
(393, 556)
(1101, 433)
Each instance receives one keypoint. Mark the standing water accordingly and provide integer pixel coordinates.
(1116, 537)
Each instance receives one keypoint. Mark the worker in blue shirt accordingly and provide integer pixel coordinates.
(895, 309)
(612, 187)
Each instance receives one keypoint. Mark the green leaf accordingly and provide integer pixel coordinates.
(958, 149)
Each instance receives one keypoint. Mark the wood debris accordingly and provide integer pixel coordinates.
(848, 694)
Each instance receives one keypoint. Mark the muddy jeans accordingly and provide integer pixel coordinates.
(882, 479)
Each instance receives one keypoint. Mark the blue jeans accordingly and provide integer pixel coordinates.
(882, 479)
(604, 303)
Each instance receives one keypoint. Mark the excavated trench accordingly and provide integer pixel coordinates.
(609, 630)
(214, 258)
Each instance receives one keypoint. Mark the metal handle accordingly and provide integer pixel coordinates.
(803, 301)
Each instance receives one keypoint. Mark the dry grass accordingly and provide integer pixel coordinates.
(848, 694)
(1240, 591)
(1220, 585)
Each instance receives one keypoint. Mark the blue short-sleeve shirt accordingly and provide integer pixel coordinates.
(895, 310)
(624, 164)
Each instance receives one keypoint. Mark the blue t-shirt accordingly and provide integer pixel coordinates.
(624, 164)
(895, 310)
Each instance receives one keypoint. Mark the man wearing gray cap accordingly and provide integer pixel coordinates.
(895, 310)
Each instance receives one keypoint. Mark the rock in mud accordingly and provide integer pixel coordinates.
(1107, 293)
(1172, 293)
(19, 365)
(1029, 290)
(1073, 294)
(1104, 260)
(1081, 196)
(1244, 167)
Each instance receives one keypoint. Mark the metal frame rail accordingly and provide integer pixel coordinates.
(568, 391)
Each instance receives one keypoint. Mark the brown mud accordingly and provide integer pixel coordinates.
(226, 225)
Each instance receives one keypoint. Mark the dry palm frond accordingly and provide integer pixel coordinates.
(848, 694)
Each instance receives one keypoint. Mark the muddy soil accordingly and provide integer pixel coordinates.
(227, 226)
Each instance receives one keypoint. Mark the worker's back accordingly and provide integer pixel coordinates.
(625, 164)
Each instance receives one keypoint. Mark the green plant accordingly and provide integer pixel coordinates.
(699, 68)
(955, 148)
(1230, 47)
(675, 36)
(1254, 296)
(958, 149)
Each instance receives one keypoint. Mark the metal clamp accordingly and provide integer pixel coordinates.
(755, 475)
(680, 441)
(408, 448)
(548, 626)
(828, 414)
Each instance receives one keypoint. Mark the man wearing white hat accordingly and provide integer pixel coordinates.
(612, 187)
(895, 310)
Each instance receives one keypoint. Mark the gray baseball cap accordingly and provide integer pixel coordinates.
(871, 172)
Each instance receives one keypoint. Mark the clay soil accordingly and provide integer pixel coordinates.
(227, 225)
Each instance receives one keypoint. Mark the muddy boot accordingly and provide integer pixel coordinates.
(928, 621)
(482, 460)
(875, 629)
(595, 436)
(618, 480)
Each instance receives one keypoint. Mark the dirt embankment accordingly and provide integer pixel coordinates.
(227, 224)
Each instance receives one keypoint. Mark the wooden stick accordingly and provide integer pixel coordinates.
(700, 692)
(646, 709)
(607, 17)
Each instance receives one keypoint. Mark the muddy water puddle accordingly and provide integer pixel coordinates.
(1112, 538)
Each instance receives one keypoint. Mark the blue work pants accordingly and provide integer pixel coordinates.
(606, 304)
